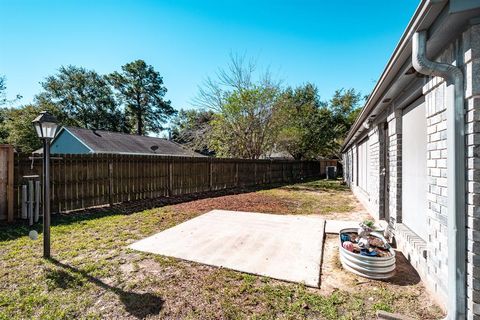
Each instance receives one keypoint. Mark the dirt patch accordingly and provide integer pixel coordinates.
(330, 204)
(252, 202)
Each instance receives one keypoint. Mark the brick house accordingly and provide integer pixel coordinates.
(412, 156)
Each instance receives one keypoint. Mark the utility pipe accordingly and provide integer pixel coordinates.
(455, 171)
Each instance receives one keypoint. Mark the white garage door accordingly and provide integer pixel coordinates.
(414, 169)
(363, 165)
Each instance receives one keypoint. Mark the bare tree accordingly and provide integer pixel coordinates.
(238, 76)
(245, 102)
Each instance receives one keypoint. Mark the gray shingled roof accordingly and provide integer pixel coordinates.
(101, 141)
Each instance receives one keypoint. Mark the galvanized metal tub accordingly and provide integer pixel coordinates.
(365, 266)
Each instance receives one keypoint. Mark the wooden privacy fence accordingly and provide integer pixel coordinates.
(6, 182)
(85, 181)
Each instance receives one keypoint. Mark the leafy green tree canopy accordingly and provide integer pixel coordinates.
(245, 128)
(85, 98)
(17, 123)
(345, 105)
(4, 110)
(141, 90)
(311, 128)
(298, 116)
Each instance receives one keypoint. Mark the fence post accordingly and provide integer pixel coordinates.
(10, 183)
(302, 175)
(270, 171)
(110, 182)
(292, 176)
(236, 173)
(210, 174)
(170, 177)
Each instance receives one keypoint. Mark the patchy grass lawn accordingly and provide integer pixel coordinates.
(94, 276)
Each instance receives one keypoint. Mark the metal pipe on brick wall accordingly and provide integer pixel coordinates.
(37, 201)
(24, 202)
(456, 224)
(30, 202)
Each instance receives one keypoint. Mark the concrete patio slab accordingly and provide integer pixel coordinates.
(334, 226)
(285, 247)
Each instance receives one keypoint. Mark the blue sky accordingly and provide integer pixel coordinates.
(333, 44)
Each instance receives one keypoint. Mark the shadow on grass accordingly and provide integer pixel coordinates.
(319, 185)
(20, 229)
(139, 305)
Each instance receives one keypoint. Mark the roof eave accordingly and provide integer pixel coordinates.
(423, 10)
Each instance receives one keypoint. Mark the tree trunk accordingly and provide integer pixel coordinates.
(139, 123)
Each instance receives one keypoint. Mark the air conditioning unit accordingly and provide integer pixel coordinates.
(331, 172)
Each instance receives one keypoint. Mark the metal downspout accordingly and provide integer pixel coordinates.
(456, 224)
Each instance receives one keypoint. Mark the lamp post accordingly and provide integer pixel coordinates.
(46, 127)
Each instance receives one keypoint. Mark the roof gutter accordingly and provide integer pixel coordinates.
(455, 171)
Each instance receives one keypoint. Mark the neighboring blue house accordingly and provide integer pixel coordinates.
(72, 140)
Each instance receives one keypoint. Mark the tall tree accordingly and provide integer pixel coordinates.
(4, 103)
(193, 128)
(311, 128)
(3, 100)
(85, 97)
(245, 128)
(140, 88)
(298, 117)
(243, 125)
(345, 105)
(17, 122)
(3, 131)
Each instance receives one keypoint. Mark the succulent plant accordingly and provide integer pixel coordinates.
(369, 223)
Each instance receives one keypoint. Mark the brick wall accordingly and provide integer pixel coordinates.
(471, 57)
(437, 247)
